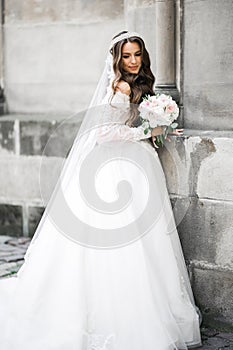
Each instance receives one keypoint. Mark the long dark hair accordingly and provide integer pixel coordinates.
(140, 84)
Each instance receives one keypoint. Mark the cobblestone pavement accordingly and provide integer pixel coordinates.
(12, 251)
(216, 340)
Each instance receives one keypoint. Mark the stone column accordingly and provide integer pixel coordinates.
(165, 47)
(1, 57)
(156, 21)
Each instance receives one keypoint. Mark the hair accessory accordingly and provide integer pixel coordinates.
(122, 37)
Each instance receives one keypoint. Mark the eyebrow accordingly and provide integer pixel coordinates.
(128, 53)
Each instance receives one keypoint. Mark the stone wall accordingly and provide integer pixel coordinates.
(198, 168)
(208, 64)
(54, 52)
(206, 231)
(1, 59)
(32, 153)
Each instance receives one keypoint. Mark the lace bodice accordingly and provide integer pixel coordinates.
(115, 129)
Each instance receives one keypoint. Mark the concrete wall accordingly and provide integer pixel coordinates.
(206, 230)
(199, 171)
(1, 59)
(140, 16)
(54, 52)
(208, 64)
(32, 153)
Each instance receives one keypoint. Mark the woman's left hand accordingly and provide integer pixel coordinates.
(154, 140)
(177, 132)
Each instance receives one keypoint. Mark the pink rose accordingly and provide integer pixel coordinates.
(170, 108)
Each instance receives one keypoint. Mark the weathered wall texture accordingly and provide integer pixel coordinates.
(208, 64)
(199, 178)
(202, 188)
(53, 59)
(1, 60)
(32, 154)
(54, 52)
(207, 229)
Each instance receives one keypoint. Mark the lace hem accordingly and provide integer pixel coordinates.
(95, 341)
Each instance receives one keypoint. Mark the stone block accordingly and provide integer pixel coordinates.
(28, 11)
(34, 216)
(199, 164)
(206, 231)
(46, 138)
(214, 295)
(204, 107)
(24, 178)
(176, 162)
(208, 64)
(7, 137)
(215, 177)
(135, 21)
(55, 68)
(11, 221)
(4, 239)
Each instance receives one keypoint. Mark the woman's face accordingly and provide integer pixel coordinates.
(131, 57)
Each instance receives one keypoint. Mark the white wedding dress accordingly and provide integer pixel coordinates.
(135, 296)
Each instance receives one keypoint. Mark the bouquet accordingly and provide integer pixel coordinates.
(158, 110)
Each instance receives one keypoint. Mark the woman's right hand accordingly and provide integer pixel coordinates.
(158, 130)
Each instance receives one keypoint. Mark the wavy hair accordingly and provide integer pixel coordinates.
(140, 84)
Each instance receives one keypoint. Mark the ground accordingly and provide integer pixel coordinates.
(12, 251)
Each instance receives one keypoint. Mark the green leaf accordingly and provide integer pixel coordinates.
(174, 125)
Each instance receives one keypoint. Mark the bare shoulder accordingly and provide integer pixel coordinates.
(123, 87)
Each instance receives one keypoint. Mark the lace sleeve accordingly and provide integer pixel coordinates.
(116, 132)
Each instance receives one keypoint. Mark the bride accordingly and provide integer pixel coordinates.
(105, 268)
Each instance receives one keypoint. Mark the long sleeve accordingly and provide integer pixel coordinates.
(116, 132)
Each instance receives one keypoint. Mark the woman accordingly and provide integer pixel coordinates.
(133, 76)
(109, 275)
